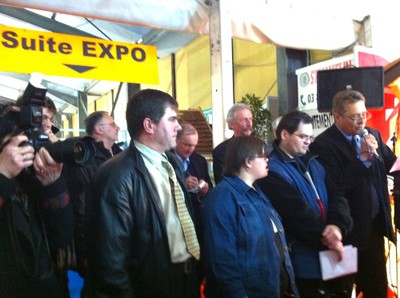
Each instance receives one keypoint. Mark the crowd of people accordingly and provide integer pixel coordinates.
(149, 221)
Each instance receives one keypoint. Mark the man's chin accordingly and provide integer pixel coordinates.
(360, 130)
(247, 133)
(170, 147)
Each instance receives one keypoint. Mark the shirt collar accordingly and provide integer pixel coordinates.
(150, 155)
(238, 184)
(347, 136)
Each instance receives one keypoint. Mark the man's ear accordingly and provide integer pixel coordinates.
(284, 134)
(98, 129)
(336, 116)
(148, 125)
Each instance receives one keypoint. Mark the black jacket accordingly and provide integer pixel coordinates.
(35, 225)
(128, 250)
(218, 155)
(346, 173)
(198, 168)
(78, 178)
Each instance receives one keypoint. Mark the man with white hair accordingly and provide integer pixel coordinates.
(240, 120)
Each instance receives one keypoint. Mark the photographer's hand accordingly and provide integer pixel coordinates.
(14, 158)
(47, 169)
(52, 137)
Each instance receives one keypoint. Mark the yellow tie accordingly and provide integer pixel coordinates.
(184, 217)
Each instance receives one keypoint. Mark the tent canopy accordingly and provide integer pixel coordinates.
(170, 25)
(305, 24)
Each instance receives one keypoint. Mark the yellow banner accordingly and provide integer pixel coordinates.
(66, 55)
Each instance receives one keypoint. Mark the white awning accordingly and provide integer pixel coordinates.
(299, 24)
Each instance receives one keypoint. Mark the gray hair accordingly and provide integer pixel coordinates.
(230, 117)
(187, 129)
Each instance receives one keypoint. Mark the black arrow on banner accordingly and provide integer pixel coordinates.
(80, 68)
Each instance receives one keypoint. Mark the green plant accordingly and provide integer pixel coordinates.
(262, 119)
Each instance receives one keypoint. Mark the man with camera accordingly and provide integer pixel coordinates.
(36, 221)
(49, 112)
(35, 120)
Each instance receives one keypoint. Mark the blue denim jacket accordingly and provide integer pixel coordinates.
(241, 256)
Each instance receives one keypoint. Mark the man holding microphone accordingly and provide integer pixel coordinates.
(357, 161)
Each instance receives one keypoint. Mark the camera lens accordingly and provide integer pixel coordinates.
(79, 151)
(73, 150)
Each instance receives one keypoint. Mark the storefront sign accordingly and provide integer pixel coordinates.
(307, 80)
(29, 51)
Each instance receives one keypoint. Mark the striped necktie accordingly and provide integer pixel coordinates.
(189, 231)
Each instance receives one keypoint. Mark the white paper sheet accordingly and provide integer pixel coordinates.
(332, 268)
(396, 166)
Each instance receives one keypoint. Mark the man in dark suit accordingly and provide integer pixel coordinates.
(240, 120)
(194, 165)
(357, 162)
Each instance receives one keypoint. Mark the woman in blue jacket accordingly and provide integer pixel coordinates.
(245, 248)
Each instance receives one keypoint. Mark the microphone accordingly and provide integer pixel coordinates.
(364, 133)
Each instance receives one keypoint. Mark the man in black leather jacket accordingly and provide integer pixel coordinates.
(135, 243)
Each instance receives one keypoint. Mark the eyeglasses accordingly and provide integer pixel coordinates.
(263, 156)
(304, 137)
(357, 117)
(113, 124)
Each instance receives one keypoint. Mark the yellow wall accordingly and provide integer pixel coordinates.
(194, 75)
(104, 103)
(318, 56)
(254, 69)
(75, 122)
(65, 125)
(164, 72)
(192, 71)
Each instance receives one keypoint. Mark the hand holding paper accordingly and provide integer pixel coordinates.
(331, 267)
(332, 238)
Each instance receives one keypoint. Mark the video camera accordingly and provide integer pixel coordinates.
(73, 150)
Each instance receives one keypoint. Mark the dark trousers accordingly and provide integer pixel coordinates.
(184, 279)
(372, 278)
(335, 288)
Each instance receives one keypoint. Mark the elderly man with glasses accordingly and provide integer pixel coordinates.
(357, 161)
